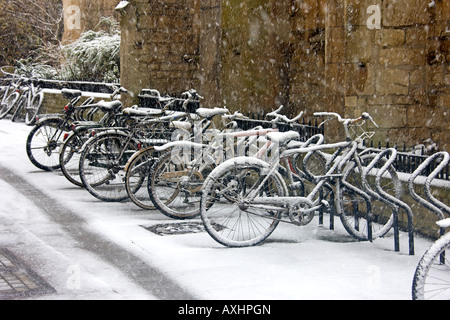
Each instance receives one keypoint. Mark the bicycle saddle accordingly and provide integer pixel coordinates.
(111, 105)
(70, 94)
(283, 137)
(209, 113)
(141, 112)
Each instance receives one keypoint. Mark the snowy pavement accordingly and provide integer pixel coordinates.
(88, 249)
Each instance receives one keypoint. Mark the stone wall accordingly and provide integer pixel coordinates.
(387, 57)
(398, 71)
(160, 45)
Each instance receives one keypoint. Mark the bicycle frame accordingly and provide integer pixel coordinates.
(306, 205)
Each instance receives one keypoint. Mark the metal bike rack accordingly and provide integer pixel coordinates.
(431, 203)
(393, 202)
(378, 196)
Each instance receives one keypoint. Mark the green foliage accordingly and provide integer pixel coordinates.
(29, 68)
(95, 56)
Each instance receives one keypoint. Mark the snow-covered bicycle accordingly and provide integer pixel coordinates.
(104, 158)
(29, 104)
(51, 130)
(176, 178)
(245, 198)
(9, 93)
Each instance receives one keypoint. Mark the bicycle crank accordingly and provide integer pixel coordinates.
(302, 213)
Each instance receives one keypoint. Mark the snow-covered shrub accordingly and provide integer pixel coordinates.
(95, 56)
(29, 68)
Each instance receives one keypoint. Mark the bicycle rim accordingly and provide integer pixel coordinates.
(102, 167)
(34, 108)
(136, 178)
(9, 104)
(20, 111)
(69, 158)
(43, 144)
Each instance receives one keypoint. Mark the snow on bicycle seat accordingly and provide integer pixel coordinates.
(111, 105)
(141, 111)
(282, 137)
(209, 113)
(70, 94)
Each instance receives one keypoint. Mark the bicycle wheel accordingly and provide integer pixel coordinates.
(175, 187)
(137, 173)
(227, 216)
(43, 144)
(33, 109)
(432, 277)
(69, 156)
(9, 104)
(102, 166)
(353, 208)
(19, 112)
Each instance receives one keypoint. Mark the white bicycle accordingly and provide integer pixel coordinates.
(29, 103)
(245, 198)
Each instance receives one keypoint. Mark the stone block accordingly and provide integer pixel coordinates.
(389, 116)
(402, 57)
(335, 50)
(400, 13)
(392, 82)
(390, 37)
(351, 101)
(335, 78)
(435, 75)
(360, 79)
(417, 35)
(417, 77)
(422, 116)
(335, 13)
(442, 137)
(359, 43)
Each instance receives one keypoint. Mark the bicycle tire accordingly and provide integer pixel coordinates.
(69, 157)
(20, 110)
(226, 219)
(102, 172)
(137, 173)
(432, 276)
(175, 188)
(9, 104)
(352, 208)
(43, 143)
(34, 109)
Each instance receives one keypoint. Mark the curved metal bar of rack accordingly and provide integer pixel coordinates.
(390, 155)
(395, 203)
(431, 203)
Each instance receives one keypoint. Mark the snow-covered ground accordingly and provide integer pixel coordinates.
(311, 262)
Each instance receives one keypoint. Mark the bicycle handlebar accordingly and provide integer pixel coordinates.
(364, 116)
(277, 116)
(236, 115)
